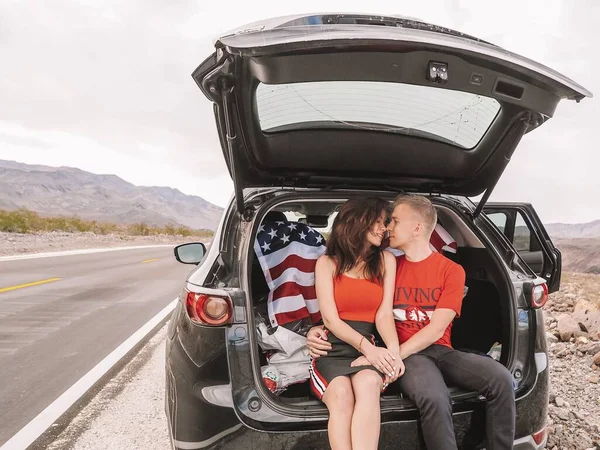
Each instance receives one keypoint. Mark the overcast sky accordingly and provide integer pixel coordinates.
(105, 86)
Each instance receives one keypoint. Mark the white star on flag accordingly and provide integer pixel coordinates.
(266, 247)
(273, 233)
(310, 230)
(285, 238)
(319, 239)
(279, 223)
(292, 226)
(302, 235)
(261, 228)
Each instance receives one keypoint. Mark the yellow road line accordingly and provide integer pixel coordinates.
(21, 286)
(150, 260)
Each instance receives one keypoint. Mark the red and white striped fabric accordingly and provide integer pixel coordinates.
(287, 253)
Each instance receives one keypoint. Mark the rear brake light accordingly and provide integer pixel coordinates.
(539, 436)
(539, 295)
(210, 310)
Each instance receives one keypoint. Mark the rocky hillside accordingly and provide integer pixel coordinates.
(578, 230)
(66, 191)
(579, 254)
(572, 318)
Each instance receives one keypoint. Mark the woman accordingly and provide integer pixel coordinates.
(354, 281)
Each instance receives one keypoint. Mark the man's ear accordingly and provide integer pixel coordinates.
(418, 229)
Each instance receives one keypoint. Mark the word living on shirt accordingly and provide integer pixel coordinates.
(426, 296)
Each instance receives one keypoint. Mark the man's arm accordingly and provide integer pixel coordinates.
(430, 333)
(316, 341)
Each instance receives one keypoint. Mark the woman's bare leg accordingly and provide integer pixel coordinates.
(340, 402)
(366, 420)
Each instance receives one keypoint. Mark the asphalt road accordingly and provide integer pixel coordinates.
(54, 332)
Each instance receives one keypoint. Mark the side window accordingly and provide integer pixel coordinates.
(514, 226)
(522, 235)
(499, 219)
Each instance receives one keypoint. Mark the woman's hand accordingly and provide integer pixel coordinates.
(316, 342)
(381, 358)
(397, 373)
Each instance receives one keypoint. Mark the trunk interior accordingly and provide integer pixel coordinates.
(484, 320)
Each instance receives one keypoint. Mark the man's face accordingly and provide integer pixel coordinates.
(404, 227)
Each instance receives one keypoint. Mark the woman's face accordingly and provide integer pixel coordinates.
(377, 230)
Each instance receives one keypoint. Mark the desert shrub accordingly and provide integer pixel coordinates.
(23, 221)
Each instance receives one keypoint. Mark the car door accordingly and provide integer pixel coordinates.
(521, 225)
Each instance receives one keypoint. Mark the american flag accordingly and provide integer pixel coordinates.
(287, 252)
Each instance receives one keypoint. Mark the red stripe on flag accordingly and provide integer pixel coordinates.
(437, 241)
(290, 289)
(291, 316)
(302, 264)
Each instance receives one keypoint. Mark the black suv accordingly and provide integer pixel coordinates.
(312, 110)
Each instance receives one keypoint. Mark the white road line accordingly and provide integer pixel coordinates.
(78, 252)
(34, 429)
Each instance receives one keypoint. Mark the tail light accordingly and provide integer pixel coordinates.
(539, 295)
(211, 310)
(539, 436)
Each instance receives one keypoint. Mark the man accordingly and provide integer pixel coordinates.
(428, 296)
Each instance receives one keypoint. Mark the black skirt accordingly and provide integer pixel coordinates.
(337, 362)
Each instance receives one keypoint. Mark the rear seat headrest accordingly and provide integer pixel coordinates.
(275, 216)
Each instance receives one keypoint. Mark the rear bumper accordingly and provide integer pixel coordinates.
(197, 424)
(393, 437)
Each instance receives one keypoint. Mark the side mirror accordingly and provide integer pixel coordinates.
(190, 253)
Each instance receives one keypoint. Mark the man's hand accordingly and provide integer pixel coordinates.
(316, 341)
(360, 361)
(400, 369)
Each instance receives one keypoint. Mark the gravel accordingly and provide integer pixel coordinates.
(574, 410)
(128, 413)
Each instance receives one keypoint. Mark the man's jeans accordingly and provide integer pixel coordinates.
(423, 383)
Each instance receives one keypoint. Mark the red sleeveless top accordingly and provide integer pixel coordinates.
(357, 298)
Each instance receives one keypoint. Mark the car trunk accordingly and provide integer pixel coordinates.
(485, 320)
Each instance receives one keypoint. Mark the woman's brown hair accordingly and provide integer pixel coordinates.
(346, 243)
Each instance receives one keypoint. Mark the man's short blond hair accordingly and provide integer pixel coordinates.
(422, 206)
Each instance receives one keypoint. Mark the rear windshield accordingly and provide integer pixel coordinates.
(458, 118)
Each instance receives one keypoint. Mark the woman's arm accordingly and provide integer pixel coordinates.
(384, 319)
(324, 274)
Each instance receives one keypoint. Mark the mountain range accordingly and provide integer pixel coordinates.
(578, 230)
(67, 191)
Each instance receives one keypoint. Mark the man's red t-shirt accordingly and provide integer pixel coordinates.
(421, 287)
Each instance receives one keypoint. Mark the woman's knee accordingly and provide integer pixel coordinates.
(367, 382)
(339, 395)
